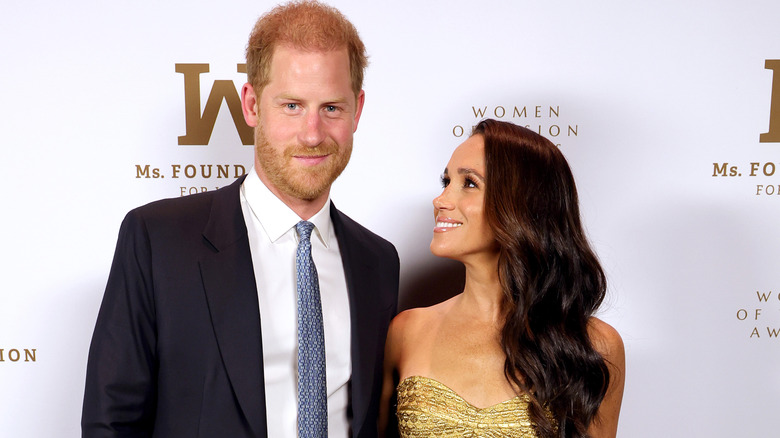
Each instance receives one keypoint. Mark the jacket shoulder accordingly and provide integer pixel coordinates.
(187, 210)
(359, 233)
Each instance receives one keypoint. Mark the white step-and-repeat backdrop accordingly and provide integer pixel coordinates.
(668, 111)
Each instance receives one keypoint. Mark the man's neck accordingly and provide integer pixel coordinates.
(304, 208)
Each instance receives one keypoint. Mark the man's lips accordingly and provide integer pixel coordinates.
(310, 160)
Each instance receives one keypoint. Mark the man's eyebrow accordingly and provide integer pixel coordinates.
(286, 96)
(290, 96)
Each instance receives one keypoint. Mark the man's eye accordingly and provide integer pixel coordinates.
(331, 108)
(292, 106)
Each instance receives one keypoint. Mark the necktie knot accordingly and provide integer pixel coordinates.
(304, 229)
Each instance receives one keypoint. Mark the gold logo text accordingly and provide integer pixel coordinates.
(200, 125)
(773, 136)
(14, 355)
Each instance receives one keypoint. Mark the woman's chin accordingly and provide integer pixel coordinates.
(439, 251)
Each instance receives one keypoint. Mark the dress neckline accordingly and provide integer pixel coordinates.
(435, 383)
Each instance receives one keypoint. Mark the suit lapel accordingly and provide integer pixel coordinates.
(364, 311)
(231, 292)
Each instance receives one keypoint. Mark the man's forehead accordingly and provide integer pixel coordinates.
(306, 49)
(285, 69)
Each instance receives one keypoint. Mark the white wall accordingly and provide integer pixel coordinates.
(657, 93)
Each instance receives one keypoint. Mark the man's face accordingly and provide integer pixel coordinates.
(304, 119)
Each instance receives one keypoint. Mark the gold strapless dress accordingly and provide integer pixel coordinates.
(427, 408)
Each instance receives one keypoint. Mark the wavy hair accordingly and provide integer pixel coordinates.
(551, 279)
(307, 25)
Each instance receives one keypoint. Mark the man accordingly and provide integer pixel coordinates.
(211, 325)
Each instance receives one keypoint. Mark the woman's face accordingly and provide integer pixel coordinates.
(461, 230)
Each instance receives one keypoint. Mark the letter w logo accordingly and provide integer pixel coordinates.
(199, 127)
(773, 136)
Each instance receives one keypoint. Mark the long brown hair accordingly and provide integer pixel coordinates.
(550, 276)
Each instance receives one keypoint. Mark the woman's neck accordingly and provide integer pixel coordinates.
(482, 293)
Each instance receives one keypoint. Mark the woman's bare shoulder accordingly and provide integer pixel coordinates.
(414, 318)
(607, 341)
(415, 321)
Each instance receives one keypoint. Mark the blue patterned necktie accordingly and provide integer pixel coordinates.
(312, 390)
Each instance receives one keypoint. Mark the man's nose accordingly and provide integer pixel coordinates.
(312, 132)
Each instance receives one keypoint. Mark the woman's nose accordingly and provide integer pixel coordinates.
(442, 202)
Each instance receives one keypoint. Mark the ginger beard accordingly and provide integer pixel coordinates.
(301, 182)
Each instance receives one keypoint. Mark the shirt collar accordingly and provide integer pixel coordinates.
(275, 216)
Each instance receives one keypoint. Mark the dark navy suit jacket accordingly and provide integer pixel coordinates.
(177, 349)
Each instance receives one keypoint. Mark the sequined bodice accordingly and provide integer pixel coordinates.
(428, 408)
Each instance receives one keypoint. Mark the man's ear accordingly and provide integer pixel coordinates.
(249, 104)
(361, 99)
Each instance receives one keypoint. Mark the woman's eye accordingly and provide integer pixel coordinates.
(470, 183)
(445, 181)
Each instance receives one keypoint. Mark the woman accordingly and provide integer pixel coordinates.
(518, 352)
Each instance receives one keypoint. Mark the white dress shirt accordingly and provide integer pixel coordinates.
(273, 242)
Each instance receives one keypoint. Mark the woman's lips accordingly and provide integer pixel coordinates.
(446, 224)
